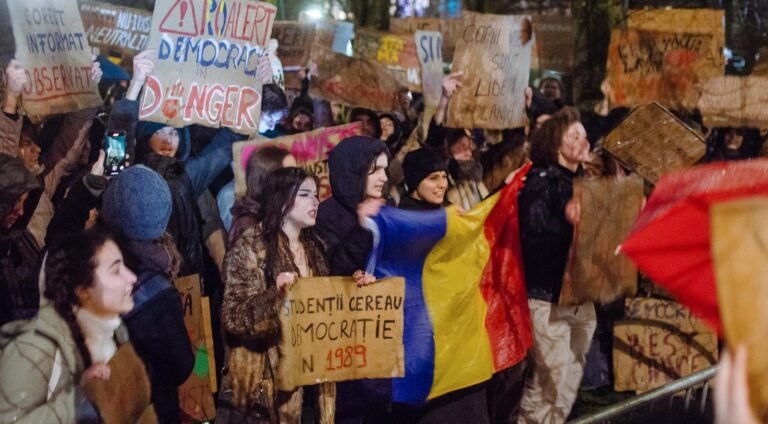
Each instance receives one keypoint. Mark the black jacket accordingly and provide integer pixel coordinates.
(544, 232)
(19, 253)
(347, 243)
(156, 326)
(409, 203)
(348, 246)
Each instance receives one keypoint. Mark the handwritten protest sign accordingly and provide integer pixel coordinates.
(645, 66)
(493, 95)
(306, 148)
(52, 46)
(733, 101)
(739, 236)
(396, 52)
(449, 28)
(595, 271)
(688, 21)
(295, 43)
(429, 47)
(206, 69)
(119, 32)
(195, 395)
(652, 141)
(661, 341)
(354, 81)
(555, 43)
(335, 331)
(320, 170)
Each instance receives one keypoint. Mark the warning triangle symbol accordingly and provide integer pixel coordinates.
(181, 19)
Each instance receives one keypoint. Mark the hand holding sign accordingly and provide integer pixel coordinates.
(284, 281)
(17, 78)
(142, 66)
(451, 82)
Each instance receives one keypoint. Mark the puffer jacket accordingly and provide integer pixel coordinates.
(32, 392)
(19, 252)
(250, 319)
(545, 234)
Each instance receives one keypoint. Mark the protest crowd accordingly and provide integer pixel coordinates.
(171, 205)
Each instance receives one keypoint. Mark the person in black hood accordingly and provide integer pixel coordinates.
(357, 167)
(369, 119)
(391, 132)
(19, 294)
(726, 144)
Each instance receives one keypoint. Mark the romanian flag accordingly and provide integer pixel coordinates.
(466, 311)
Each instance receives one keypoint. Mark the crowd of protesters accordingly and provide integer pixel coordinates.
(87, 261)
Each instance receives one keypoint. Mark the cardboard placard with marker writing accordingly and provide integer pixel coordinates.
(659, 342)
(308, 148)
(208, 63)
(652, 141)
(333, 330)
(52, 46)
(119, 32)
(492, 95)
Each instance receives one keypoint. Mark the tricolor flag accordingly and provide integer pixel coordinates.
(466, 311)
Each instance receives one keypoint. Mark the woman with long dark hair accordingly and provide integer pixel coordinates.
(50, 365)
(261, 265)
(260, 164)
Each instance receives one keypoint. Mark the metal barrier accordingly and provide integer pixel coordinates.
(625, 407)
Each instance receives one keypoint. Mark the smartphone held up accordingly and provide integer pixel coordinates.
(116, 156)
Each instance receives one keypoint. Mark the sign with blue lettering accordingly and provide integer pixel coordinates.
(210, 54)
(52, 46)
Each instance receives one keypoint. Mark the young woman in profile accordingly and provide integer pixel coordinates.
(259, 268)
(56, 367)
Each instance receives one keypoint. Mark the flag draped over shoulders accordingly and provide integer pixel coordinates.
(466, 311)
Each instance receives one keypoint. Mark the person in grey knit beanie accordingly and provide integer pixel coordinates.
(137, 204)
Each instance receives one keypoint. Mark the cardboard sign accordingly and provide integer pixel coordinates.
(740, 259)
(320, 170)
(596, 272)
(429, 47)
(207, 65)
(397, 52)
(333, 330)
(306, 148)
(660, 342)
(555, 43)
(652, 141)
(449, 28)
(689, 21)
(492, 95)
(52, 46)
(733, 101)
(120, 33)
(645, 66)
(196, 395)
(295, 43)
(355, 82)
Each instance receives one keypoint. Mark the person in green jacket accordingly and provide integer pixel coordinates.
(49, 365)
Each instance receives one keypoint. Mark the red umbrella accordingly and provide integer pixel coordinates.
(670, 240)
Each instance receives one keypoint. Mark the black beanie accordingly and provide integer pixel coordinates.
(418, 164)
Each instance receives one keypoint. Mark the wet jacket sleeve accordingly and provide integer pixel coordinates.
(123, 117)
(74, 210)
